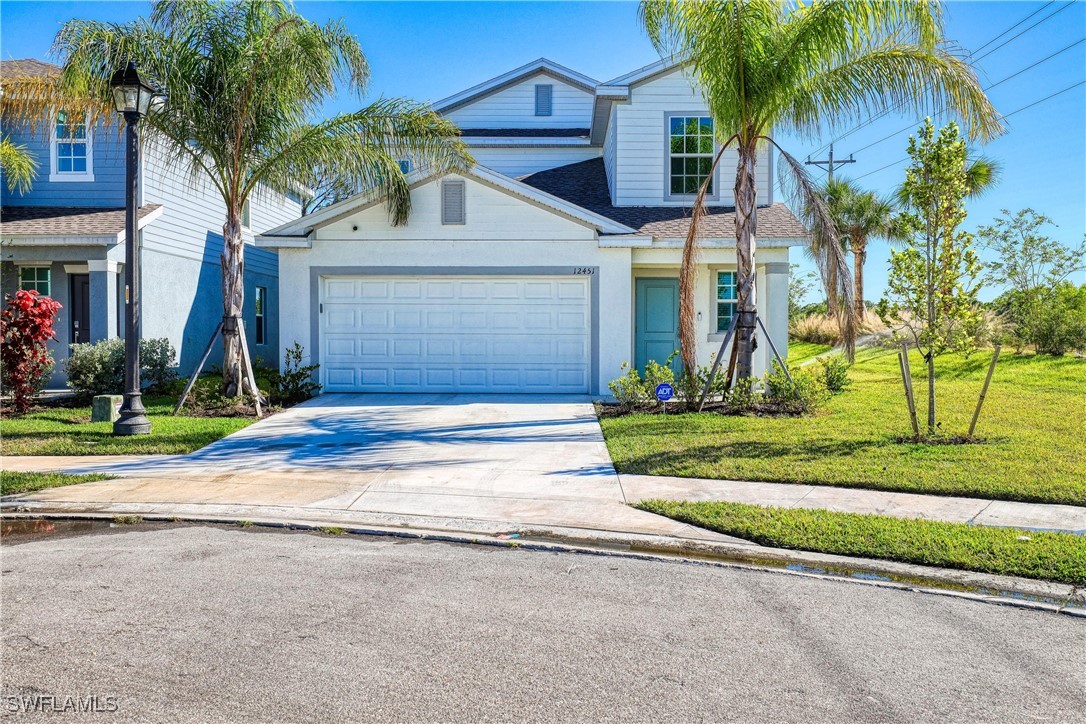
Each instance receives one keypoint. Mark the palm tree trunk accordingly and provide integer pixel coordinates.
(233, 299)
(831, 292)
(746, 229)
(859, 256)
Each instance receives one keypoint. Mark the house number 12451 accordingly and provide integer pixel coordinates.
(579, 270)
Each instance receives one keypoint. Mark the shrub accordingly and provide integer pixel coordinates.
(26, 325)
(835, 372)
(806, 391)
(742, 397)
(629, 389)
(1051, 319)
(295, 383)
(98, 368)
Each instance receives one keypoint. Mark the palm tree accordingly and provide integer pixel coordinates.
(858, 216)
(17, 164)
(768, 66)
(244, 83)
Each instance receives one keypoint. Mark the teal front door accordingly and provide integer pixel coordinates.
(656, 323)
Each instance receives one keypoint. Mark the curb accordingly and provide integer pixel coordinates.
(982, 587)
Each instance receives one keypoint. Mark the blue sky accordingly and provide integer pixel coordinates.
(430, 50)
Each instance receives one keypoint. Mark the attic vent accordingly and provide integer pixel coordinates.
(543, 94)
(452, 202)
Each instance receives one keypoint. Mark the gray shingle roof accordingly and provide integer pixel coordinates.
(585, 184)
(27, 66)
(65, 220)
(524, 132)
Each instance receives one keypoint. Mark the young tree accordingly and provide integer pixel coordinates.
(1028, 259)
(799, 286)
(932, 290)
(803, 68)
(244, 83)
(1041, 302)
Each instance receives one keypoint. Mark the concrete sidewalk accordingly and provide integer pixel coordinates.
(591, 501)
(974, 511)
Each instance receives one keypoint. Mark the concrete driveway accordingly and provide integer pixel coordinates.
(517, 459)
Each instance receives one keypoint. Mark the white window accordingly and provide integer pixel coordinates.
(260, 302)
(727, 300)
(70, 154)
(544, 95)
(452, 202)
(36, 278)
(690, 155)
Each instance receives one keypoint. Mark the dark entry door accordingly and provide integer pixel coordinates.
(80, 308)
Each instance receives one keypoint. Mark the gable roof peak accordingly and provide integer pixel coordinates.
(545, 65)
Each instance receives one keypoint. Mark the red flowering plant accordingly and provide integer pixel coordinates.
(26, 324)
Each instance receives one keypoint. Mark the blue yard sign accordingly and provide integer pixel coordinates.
(664, 392)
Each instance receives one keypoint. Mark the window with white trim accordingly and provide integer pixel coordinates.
(690, 154)
(260, 301)
(70, 149)
(727, 299)
(246, 215)
(36, 278)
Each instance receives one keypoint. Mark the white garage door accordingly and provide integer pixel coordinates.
(455, 334)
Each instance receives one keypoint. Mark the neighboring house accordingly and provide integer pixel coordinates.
(66, 238)
(550, 263)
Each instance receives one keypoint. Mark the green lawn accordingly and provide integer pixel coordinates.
(1048, 556)
(15, 482)
(68, 431)
(802, 351)
(1032, 426)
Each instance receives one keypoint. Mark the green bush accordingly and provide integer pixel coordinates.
(835, 372)
(295, 383)
(1052, 319)
(98, 369)
(806, 391)
(629, 389)
(743, 396)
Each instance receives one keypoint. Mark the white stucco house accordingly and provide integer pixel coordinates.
(550, 263)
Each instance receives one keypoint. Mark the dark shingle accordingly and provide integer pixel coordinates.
(65, 220)
(27, 67)
(585, 184)
(524, 132)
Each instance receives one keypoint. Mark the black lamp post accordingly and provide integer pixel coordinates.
(132, 97)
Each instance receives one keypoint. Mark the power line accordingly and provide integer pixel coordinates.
(993, 85)
(890, 110)
(1023, 108)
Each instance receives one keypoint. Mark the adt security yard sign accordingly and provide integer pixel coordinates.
(664, 392)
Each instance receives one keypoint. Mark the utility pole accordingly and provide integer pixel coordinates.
(830, 163)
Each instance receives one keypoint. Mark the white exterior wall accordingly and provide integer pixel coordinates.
(641, 154)
(501, 232)
(610, 147)
(772, 295)
(514, 162)
(514, 107)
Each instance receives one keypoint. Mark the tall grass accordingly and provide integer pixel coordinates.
(823, 329)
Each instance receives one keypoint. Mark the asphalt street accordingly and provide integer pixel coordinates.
(194, 623)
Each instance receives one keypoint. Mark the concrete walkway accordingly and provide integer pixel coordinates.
(975, 511)
(466, 462)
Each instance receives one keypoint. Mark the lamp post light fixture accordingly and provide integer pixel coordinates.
(131, 97)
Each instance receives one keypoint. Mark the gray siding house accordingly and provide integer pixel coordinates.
(66, 238)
